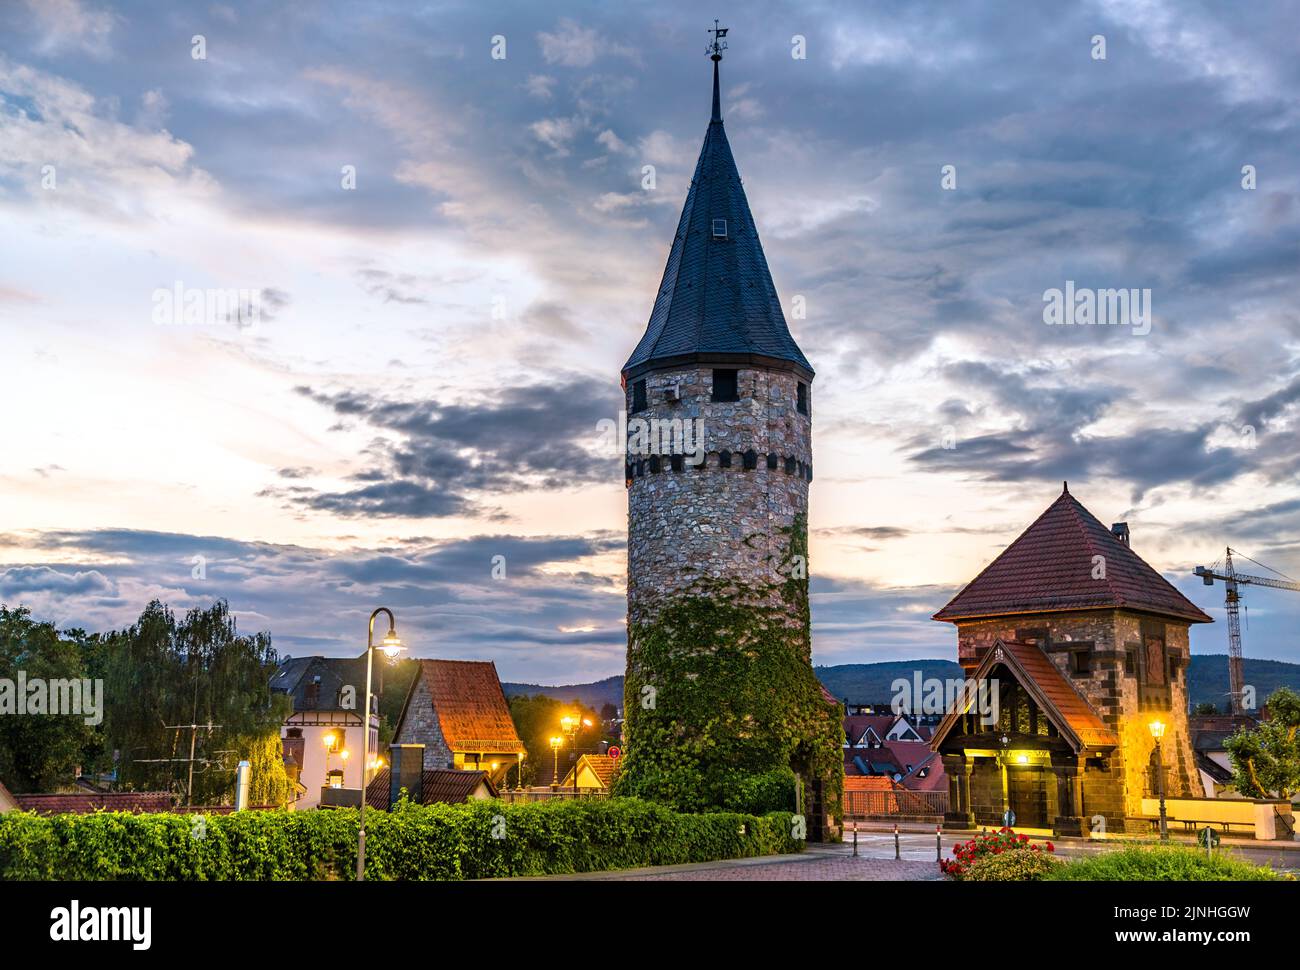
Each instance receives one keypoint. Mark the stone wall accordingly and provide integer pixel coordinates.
(420, 726)
(717, 519)
(1115, 789)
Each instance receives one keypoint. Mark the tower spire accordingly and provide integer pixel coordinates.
(714, 50)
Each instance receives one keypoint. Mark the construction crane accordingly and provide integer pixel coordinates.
(1232, 603)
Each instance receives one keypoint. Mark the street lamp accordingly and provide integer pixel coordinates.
(555, 770)
(1158, 731)
(392, 646)
(571, 727)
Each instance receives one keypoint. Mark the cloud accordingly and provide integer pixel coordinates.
(442, 459)
(453, 599)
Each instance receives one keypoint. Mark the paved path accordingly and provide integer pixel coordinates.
(816, 864)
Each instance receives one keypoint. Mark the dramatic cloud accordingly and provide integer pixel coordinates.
(438, 457)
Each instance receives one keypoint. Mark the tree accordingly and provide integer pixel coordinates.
(268, 783)
(159, 672)
(537, 720)
(1204, 709)
(1266, 760)
(38, 751)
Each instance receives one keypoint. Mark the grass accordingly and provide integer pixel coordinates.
(1164, 863)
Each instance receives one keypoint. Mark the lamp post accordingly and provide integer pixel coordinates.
(391, 645)
(571, 727)
(1158, 731)
(555, 770)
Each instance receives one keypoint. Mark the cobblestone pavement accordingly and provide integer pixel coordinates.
(814, 868)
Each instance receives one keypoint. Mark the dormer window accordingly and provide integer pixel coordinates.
(719, 228)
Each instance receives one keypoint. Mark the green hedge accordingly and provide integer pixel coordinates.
(473, 841)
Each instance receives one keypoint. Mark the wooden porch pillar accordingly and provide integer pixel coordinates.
(958, 769)
(1069, 795)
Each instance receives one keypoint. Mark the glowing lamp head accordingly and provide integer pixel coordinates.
(1157, 729)
(586, 722)
(392, 644)
(566, 721)
(344, 754)
(1022, 759)
(329, 740)
(555, 742)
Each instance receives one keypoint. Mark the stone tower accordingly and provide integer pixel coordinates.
(721, 700)
(1087, 645)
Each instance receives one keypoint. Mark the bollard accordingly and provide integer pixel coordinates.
(855, 840)
(896, 855)
(938, 842)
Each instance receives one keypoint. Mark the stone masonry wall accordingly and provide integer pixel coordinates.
(709, 520)
(421, 727)
(1114, 788)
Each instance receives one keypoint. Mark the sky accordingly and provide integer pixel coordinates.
(452, 220)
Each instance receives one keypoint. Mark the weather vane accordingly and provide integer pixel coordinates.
(719, 45)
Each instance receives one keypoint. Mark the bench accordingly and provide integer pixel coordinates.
(1191, 824)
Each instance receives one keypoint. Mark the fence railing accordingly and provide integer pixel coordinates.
(895, 804)
(546, 794)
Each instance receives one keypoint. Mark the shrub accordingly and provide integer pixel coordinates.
(1012, 867)
(471, 841)
(1162, 863)
(1003, 841)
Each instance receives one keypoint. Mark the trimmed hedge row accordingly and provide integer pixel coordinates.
(472, 841)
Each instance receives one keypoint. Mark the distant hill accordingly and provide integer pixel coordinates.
(594, 695)
(869, 683)
(1207, 677)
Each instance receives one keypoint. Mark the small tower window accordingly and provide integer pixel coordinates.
(726, 387)
(724, 459)
(802, 399)
(751, 459)
(638, 396)
(719, 228)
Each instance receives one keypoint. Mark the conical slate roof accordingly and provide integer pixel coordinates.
(717, 301)
(1050, 569)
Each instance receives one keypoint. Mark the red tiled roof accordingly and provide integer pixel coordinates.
(868, 783)
(855, 725)
(440, 785)
(601, 765)
(1064, 706)
(470, 705)
(1049, 569)
(82, 803)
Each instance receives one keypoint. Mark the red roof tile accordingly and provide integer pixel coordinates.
(82, 803)
(1063, 704)
(868, 783)
(470, 705)
(1049, 569)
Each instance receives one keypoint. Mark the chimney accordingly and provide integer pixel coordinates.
(406, 771)
(1120, 531)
